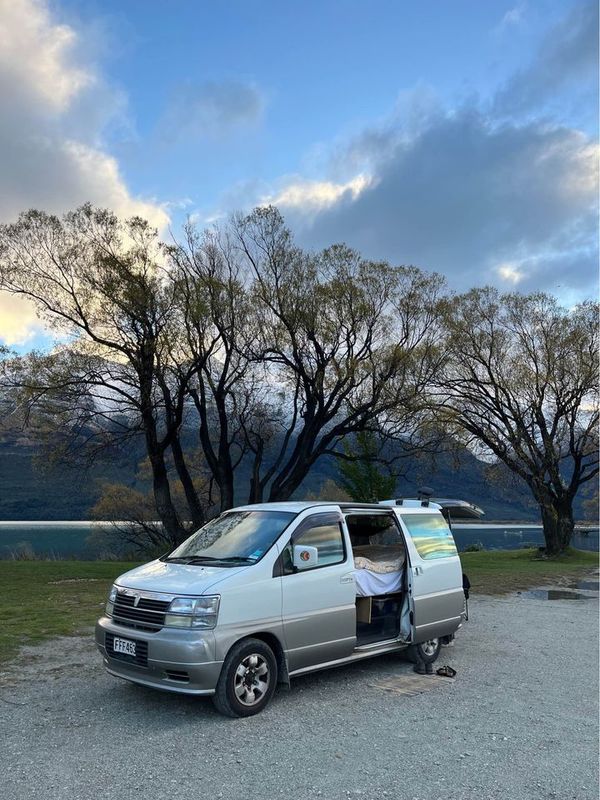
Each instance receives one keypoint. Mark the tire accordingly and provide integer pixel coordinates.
(427, 652)
(248, 679)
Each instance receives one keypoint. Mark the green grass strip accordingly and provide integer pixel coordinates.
(503, 571)
(43, 599)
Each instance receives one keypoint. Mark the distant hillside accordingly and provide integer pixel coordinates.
(467, 481)
(31, 490)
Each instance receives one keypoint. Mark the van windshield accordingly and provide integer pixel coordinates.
(236, 537)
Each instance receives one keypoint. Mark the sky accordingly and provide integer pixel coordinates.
(459, 137)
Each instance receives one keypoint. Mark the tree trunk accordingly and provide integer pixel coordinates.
(224, 480)
(162, 495)
(219, 463)
(557, 519)
(255, 494)
(164, 502)
(191, 495)
(304, 456)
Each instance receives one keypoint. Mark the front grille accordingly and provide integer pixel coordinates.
(147, 615)
(141, 651)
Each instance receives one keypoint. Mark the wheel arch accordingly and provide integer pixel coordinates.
(273, 641)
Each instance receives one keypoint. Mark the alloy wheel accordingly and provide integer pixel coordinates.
(252, 679)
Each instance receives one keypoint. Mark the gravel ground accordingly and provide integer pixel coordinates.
(519, 721)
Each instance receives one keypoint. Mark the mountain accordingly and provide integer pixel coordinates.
(33, 489)
(30, 489)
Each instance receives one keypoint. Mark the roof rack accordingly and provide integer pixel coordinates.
(457, 509)
(411, 502)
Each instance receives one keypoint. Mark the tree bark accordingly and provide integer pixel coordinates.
(164, 502)
(219, 463)
(557, 519)
(191, 495)
(224, 479)
(255, 494)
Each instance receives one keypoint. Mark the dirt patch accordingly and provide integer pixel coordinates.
(56, 658)
(410, 684)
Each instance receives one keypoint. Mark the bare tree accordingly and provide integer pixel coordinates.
(98, 283)
(522, 382)
(346, 343)
(271, 355)
(292, 351)
(217, 321)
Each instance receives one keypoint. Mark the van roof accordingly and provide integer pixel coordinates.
(295, 507)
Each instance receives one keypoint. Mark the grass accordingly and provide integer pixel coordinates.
(502, 571)
(42, 599)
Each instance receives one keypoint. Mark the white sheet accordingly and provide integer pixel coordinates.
(369, 583)
(378, 569)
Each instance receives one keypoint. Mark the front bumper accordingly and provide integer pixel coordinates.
(178, 660)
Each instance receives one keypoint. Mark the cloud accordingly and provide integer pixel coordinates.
(212, 109)
(45, 86)
(299, 198)
(513, 17)
(509, 273)
(465, 195)
(309, 197)
(566, 59)
(499, 191)
(18, 320)
(52, 155)
(35, 56)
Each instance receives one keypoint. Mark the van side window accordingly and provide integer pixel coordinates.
(431, 535)
(323, 532)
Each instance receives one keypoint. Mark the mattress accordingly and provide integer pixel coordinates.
(378, 569)
(380, 558)
(370, 583)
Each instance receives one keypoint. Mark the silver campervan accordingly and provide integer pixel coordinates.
(266, 592)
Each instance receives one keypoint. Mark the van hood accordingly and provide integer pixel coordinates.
(160, 576)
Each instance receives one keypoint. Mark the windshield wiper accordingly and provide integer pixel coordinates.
(211, 560)
(243, 559)
(192, 559)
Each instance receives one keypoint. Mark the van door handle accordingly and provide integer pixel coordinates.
(418, 570)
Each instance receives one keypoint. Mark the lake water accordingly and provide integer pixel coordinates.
(85, 539)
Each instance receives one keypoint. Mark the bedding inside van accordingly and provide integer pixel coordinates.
(381, 558)
(379, 553)
(378, 569)
(370, 584)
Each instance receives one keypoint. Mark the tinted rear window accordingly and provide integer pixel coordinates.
(431, 535)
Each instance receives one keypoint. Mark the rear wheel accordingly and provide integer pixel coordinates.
(248, 679)
(427, 652)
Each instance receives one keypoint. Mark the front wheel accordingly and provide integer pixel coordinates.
(427, 652)
(248, 679)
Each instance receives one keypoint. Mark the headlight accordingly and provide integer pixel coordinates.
(193, 612)
(110, 603)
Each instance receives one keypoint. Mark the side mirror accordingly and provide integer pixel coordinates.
(305, 557)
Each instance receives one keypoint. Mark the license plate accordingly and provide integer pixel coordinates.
(124, 646)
